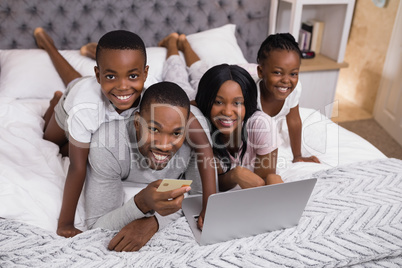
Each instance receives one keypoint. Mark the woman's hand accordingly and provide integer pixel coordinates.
(245, 178)
(200, 221)
(312, 159)
(273, 179)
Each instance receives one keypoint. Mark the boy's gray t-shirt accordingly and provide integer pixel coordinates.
(114, 158)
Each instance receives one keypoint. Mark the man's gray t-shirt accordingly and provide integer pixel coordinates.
(114, 158)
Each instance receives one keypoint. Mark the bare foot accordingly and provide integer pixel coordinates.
(182, 42)
(169, 41)
(89, 50)
(189, 54)
(56, 97)
(53, 102)
(43, 40)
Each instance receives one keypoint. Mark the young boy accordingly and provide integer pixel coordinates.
(140, 153)
(111, 94)
(279, 89)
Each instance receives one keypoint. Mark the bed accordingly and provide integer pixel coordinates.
(353, 218)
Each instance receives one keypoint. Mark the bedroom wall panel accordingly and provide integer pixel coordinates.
(73, 23)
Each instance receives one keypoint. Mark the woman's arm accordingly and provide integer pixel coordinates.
(295, 129)
(78, 153)
(264, 173)
(265, 168)
(198, 140)
(241, 176)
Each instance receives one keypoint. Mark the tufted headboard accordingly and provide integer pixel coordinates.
(73, 23)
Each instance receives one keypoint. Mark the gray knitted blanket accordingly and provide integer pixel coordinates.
(354, 218)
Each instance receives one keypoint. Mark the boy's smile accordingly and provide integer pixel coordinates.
(280, 73)
(122, 74)
(160, 133)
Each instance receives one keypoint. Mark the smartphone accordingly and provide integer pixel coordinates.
(172, 184)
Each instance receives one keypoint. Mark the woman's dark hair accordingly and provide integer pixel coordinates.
(281, 41)
(208, 88)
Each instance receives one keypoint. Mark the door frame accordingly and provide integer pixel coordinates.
(391, 121)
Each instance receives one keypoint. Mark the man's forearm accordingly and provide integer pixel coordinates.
(120, 217)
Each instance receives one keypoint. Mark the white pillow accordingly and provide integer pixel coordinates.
(29, 73)
(217, 46)
(156, 57)
(214, 46)
(251, 68)
(84, 65)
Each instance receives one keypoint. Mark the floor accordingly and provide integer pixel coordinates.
(347, 111)
(361, 122)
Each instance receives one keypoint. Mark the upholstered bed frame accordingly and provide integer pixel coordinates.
(73, 23)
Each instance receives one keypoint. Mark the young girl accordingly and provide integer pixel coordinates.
(244, 139)
(279, 90)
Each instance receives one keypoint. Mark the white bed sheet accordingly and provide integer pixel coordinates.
(32, 172)
(331, 143)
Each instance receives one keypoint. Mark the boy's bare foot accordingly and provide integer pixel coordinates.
(53, 102)
(56, 97)
(89, 50)
(169, 41)
(42, 39)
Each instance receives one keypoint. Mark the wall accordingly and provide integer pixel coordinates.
(365, 52)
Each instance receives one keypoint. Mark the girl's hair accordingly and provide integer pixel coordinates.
(281, 41)
(121, 40)
(208, 88)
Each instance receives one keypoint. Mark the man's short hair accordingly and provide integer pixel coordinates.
(165, 93)
(121, 40)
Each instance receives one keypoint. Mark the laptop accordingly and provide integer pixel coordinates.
(247, 212)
